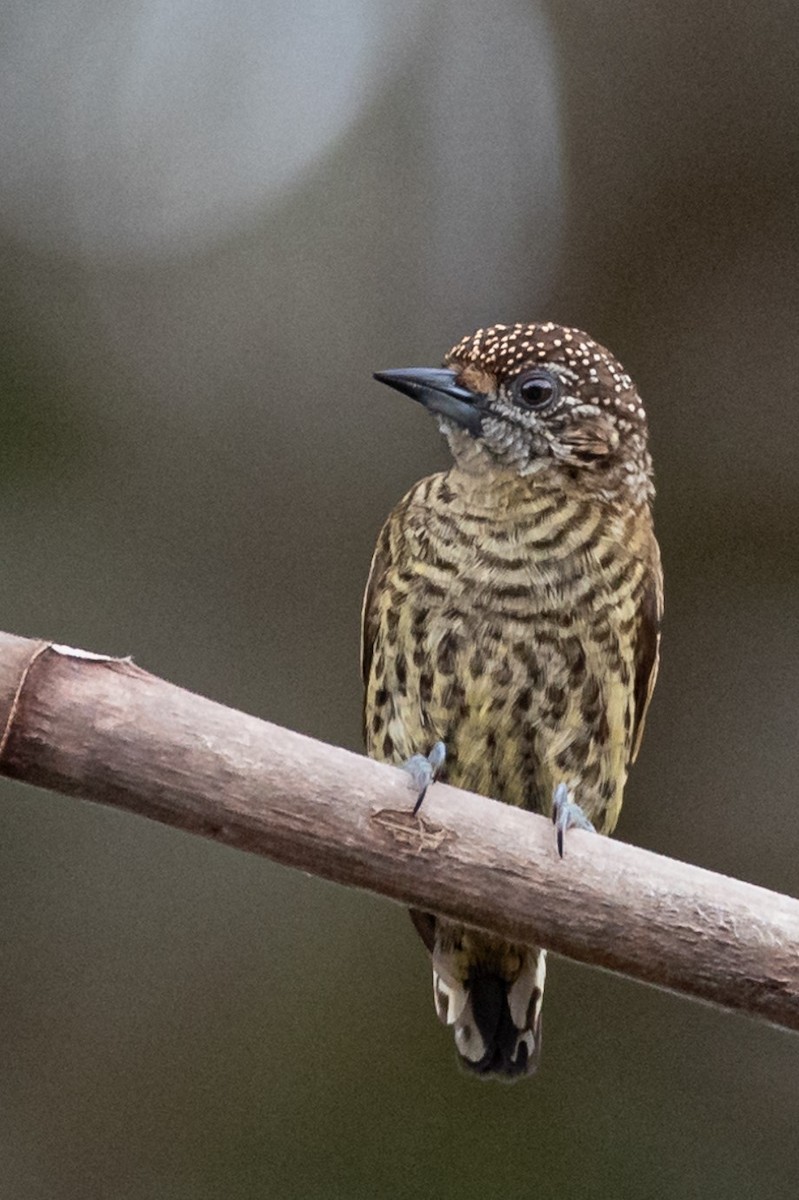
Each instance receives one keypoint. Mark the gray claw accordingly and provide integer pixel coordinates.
(567, 815)
(423, 770)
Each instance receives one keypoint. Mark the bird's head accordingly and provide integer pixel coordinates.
(532, 398)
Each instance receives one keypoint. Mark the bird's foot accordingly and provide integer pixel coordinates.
(567, 815)
(424, 769)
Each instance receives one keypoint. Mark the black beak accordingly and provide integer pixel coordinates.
(437, 390)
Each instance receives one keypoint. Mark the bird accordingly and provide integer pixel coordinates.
(511, 626)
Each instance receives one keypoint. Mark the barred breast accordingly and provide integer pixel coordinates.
(510, 621)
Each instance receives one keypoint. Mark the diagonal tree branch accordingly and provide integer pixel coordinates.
(107, 731)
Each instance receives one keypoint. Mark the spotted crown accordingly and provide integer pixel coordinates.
(592, 373)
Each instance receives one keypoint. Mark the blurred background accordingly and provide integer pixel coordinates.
(215, 223)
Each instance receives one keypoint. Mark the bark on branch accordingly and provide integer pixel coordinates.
(105, 730)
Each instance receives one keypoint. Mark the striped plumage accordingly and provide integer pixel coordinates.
(512, 612)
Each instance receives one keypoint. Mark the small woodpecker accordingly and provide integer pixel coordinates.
(511, 626)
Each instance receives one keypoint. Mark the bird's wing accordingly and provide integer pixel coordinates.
(647, 648)
(370, 614)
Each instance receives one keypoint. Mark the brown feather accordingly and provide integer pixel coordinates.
(513, 612)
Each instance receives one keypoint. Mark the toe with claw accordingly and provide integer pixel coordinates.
(424, 770)
(567, 815)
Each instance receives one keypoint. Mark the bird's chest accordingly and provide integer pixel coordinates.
(513, 656)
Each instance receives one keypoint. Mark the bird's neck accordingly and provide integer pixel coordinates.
(505, 495)
(490, 492)
(611, 483)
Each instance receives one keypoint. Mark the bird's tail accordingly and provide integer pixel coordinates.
(491, 992)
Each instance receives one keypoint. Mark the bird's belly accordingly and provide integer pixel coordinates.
(519, 704)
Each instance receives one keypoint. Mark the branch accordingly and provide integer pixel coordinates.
(105, 730)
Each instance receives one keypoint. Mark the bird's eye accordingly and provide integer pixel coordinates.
(536, 390)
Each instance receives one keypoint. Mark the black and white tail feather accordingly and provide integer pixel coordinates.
(496, 1020)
